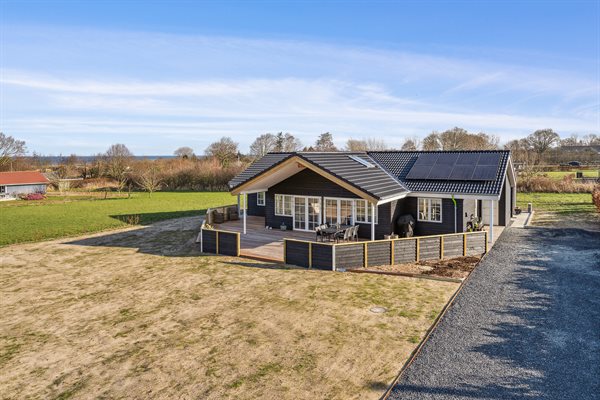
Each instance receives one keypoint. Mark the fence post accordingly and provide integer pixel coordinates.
(366, 256)
(392, 252)
(441, 247)
(238, 244)
(309, 254)
(217, 240)
(285, 251)
(333, 257)
(486, 241)
(418, 250)
(464, 244)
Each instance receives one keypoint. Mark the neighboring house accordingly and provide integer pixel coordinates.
(305, 189)
(22, 182)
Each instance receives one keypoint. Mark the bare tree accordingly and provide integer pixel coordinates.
(411, 144)
(541, 141)
(118, 160)
(325, 143)
(9, 148)
(150, 178)
(356, 145)
(286, 143)
(432, 142)
(225, 151)
(184, 152)
(453, 139)
(263, 145)
(590, 139)
(374, 144)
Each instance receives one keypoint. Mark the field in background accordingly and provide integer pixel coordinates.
(141, 313)
(587, 173)
(563, 210)
(61, 216)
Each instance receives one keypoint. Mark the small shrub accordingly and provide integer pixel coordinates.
(596, 197)
(32, 196)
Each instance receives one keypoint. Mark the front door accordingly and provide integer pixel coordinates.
(307, 213)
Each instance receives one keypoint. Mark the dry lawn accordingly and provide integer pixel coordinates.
(139, 314)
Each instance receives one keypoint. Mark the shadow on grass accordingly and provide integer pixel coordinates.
(170, 234)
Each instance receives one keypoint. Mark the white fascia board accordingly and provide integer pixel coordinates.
(254, 191)
(390, 199)
(456, 196)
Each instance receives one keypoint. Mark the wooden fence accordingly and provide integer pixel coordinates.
(216, 241)
(332, 256)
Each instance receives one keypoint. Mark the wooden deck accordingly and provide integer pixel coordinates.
(260, 242)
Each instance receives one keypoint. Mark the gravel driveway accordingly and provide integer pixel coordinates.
(526, 324)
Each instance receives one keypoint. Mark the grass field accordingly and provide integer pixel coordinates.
(561, 174)
(140, 314)
(26, 221)
(560, 203)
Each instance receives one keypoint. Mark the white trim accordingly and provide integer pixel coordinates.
(390, 199)
(26, 184)
(456, 196)
(306, 214)
(253, 191)
(353, 216)
(264, 197)
(429, 202)
(291, 196)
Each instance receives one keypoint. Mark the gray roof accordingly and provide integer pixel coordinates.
(398, 163)
(387, 177)
(374, 181)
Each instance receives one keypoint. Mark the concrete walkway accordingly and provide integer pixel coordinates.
(525, 325)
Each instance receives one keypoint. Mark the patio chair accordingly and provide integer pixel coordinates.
(355, 232)
(218, 218)
(318, 232)
(344, 235)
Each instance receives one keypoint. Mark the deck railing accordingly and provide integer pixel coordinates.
(218, 241)
(332, 256)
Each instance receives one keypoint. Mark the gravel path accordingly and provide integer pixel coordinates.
(526, 324)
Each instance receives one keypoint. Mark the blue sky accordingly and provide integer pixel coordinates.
(79, 76)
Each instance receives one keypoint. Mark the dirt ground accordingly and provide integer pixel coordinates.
(549, 219)
(458, 268)
(140, 314)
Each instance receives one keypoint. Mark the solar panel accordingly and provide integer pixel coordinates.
(440, 173)
(456, 166)
(419, 172)
(462, 173)
(485, 173)
(426, 159)
(489, 159)
(468, 159)
(447, 159)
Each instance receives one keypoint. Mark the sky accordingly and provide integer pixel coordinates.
(76, 77)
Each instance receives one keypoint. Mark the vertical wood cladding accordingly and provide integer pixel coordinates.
(253, 207)
(309, 183)
(408, 205)
(322, 256)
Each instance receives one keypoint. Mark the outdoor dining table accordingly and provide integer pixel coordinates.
(331, 231)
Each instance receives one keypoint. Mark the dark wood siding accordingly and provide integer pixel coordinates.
(408, 205)
(502, 206)
(209, 241)
(253, 207)
(322, 256)
(309, 183)
(349, 256)
(228, 243)
(296, 253)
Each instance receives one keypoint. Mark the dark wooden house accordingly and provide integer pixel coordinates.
(442, 191)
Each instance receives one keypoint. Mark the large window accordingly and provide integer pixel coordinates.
(260, 198)
(2, 189)
(283, 205)
(429, 210)
(347, 211)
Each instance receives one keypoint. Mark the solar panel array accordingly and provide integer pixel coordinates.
(456, 166)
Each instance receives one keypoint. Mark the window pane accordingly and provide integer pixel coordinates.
(345, 212)
(423, 212)
(436, 210)
(331, 211)
(361, 211)
(287, 205)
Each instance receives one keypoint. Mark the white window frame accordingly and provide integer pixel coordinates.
(2, 188)
(367, 206)
(427, 213)
(281, 213)
(260, 200)
(353, 214)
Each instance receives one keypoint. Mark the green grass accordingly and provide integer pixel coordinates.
(55, 217)
(588, 173)
(561, 203)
